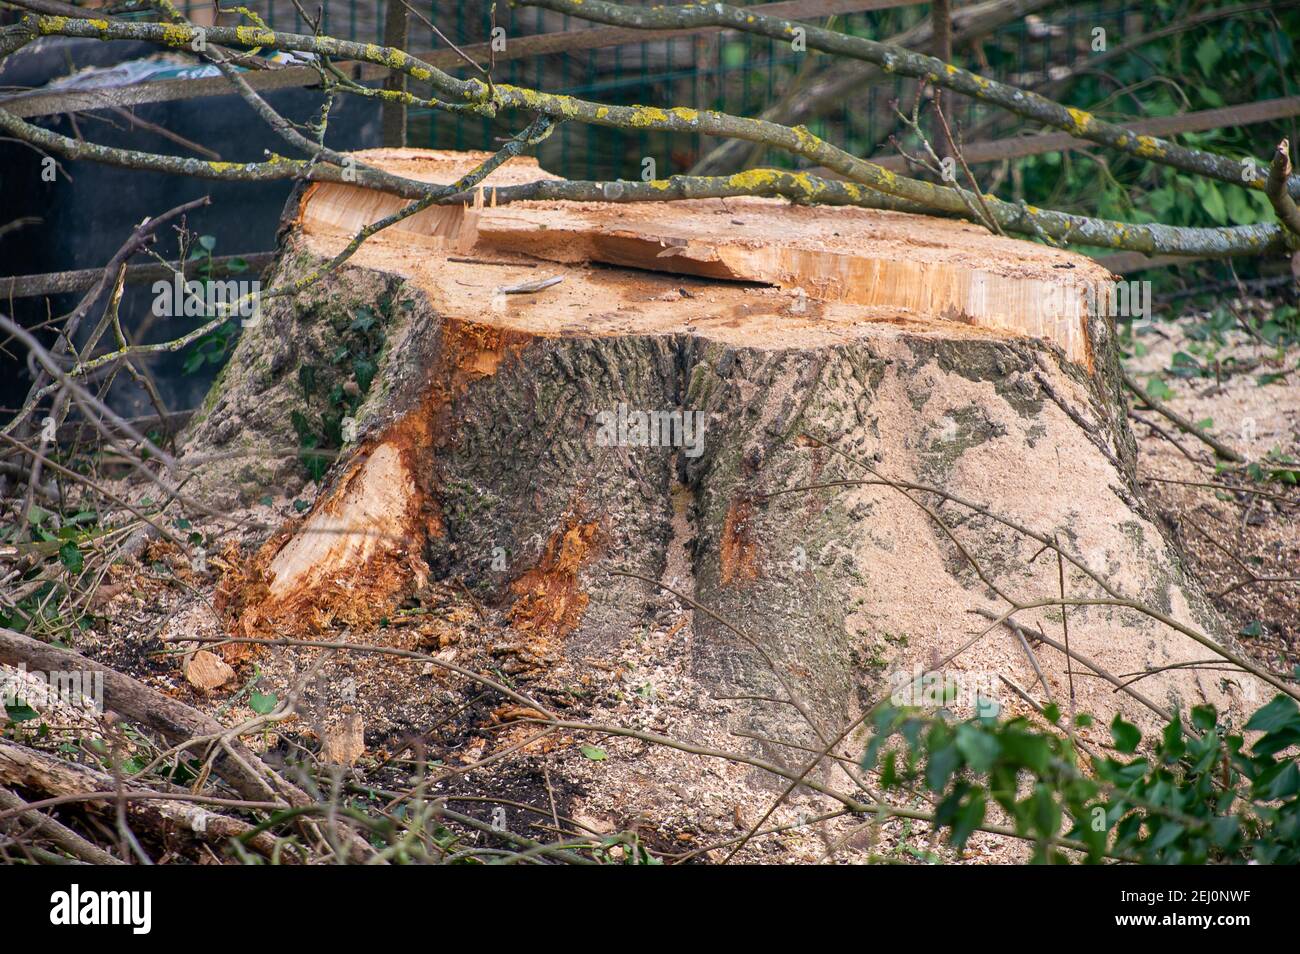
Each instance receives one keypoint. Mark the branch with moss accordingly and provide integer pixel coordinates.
(828, 90)
(895, 59)
(915, 195)
(479, 97)
(538, 130)
(1279, 172)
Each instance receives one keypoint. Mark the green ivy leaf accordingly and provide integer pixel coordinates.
(594, 752)
(263, 702)
(70, 554)
(364, 369)
(19, 711)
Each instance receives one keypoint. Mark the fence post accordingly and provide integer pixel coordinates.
(393, 115)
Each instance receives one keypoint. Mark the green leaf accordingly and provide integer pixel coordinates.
(1275, 742)
(943, 762)
(1212, 202)
(1207, 55)
(19, 711)
(1173, 739)
(979, 748)
(1205, 717)
(364, 369)
(1126, 735)
(1223, 830)
(1279, 713)
(1158, 389)
(1026, 748)
(1253, 628)
(70, 554)
(209, 242)
(969, 818)
(594, 752)
(262, 702)
(1210, 95)
(1168, 834)
(1283, 784)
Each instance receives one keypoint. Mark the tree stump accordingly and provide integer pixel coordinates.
(692, 406)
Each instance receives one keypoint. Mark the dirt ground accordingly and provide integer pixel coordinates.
(1231, 537)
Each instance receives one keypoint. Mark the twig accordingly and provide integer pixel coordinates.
(1183, 424)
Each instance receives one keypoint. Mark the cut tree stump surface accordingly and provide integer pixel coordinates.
(924, 349)
(914, 265)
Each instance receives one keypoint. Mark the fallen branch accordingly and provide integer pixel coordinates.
(174, 720)
(1183, 424)
(32, 770)
(62, 836)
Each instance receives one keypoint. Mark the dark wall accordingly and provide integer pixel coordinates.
(90, 209)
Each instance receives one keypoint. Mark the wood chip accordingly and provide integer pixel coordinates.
(206, 671)
(344, 743)
(528, 288)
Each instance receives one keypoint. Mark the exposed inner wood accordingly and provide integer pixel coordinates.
(372, 509)
(880, 262)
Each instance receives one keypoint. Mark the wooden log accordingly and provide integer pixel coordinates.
(662, 413)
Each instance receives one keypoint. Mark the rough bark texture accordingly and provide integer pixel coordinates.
(479, 455)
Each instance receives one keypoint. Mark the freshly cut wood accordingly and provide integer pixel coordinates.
(344, 742)
(939, 268)
(753, 419)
